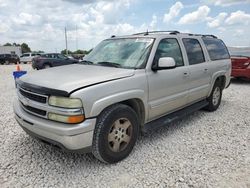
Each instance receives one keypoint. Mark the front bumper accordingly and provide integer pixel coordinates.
(68, 137)
(241, 73)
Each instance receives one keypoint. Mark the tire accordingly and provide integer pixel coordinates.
(46, 66)
(214, 99)
(115, 133)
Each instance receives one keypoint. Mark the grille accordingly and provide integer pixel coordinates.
(32, 96)
(34, 110)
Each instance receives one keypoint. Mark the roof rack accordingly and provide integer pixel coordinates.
(212, 36)
(150, 32)
(174, 33)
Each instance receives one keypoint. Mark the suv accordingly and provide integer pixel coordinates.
(240, 67)
(51, 60)
(8, 58)
(27, 57)
(125, 85)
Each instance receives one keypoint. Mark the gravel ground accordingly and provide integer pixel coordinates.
(201, 150)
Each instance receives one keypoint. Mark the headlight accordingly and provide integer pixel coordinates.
(66, 119)
(65, 102)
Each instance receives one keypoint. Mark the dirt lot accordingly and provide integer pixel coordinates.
(202, 150)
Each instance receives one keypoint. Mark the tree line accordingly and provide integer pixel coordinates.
(25, 48)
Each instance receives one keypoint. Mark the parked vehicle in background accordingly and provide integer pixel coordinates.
(125, 85)
(240, 66)
(9, 58)
(27, 57)
(51, 60)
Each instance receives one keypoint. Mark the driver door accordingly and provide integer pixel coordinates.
(168, 89)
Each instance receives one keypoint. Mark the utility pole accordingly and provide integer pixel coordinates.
(76, 39)
(66, 41)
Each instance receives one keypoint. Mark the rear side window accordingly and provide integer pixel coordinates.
(25, 55)
(194, 51)
(216, 49)
(169, 48)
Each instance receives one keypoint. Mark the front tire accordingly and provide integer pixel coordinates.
(214, 99)
(115, 134)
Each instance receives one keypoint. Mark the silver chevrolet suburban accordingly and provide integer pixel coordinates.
(125, 86)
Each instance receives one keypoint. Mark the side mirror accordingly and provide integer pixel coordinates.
(166, 63)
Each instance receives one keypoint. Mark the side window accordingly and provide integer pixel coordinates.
(169, 48)
(216, 49)
(194, 51)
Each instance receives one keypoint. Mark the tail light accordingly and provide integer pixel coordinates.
(248, 65)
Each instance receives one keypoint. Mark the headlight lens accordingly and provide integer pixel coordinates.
(66, 119)
(65, 102)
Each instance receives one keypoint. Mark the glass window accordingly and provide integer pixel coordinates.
(216, 49)
(169, 48)
(25, 55)
(194, 51)
(60, 56)
(123, 52)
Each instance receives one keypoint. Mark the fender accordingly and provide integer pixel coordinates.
(214, 77)
(103, 103)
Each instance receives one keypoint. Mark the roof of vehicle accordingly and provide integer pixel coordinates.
(163, 33)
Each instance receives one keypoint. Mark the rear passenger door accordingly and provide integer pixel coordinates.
(199, 69)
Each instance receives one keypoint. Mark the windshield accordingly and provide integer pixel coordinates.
(122, 53)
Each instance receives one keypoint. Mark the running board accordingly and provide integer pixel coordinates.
(165, 120)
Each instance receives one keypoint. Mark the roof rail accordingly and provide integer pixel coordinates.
(213, 36)
(149, 32)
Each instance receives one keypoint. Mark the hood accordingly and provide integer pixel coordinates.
(71, 77)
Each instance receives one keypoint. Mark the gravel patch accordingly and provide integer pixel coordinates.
(201, 150)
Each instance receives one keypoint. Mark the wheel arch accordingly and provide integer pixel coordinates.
(220, 77)
(135, 100)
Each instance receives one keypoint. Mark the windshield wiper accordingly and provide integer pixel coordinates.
(86, 62)
(109, 64)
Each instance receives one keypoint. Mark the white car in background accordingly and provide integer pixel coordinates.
(27, 57)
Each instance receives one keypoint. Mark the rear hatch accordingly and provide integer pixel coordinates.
(240, 62)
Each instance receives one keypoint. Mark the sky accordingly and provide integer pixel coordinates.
(41, 24)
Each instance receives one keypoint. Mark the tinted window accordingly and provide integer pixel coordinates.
(25, 55)
(60, 56)
(169, 48)
(194, 51)
(216, 49)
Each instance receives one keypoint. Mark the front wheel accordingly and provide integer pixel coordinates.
(214, 99)
(115, 133)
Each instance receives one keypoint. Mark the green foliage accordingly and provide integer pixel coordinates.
(7, 44)
(83, 52)
(25, 48)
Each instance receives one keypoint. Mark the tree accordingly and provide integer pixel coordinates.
(25, 48)
(7, 44)
(83, 52)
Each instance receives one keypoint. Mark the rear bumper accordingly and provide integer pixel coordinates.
(75, 138)
(241, 73)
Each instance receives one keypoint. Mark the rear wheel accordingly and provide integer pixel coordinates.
(115, 133)
(46, 66)
(214, 99)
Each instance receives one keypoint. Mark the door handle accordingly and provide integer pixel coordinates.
(205, 70)
(185, 74)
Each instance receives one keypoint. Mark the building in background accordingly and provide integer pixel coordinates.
(11, 50)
